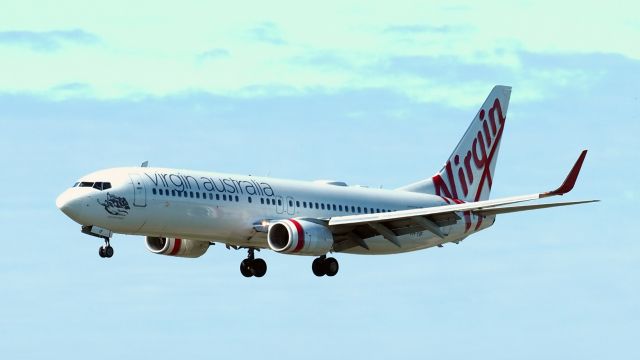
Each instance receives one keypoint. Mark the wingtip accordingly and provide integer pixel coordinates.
(572, 177)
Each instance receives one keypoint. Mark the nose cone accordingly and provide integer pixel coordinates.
(69, 203)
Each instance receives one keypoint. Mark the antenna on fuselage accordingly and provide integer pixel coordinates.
(145, 164)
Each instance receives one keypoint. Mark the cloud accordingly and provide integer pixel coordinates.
(442, 68)
(324, 60)
(421, 29)
(48, 41)
(71, 90)
(213, 54)
(267, 33)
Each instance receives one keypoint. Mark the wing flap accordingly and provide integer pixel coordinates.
(511, 209)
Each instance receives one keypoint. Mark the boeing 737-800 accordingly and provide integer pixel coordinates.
(182, 212)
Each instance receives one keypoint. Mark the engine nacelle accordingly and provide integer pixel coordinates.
(294, 236)
(177, 247)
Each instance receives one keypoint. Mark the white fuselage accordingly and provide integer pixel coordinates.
(227, 208)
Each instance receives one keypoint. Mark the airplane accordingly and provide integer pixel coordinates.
(182, 212)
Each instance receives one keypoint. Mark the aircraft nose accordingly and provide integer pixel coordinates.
(68, 203)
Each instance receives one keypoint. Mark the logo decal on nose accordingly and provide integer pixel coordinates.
(115, 205)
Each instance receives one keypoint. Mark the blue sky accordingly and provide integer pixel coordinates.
(369, 94)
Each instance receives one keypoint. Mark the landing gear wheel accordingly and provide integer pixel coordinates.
(245, 269)
(106, 251)
(251, 266)
(317, 267)
(258, 267)
(331, 266)
(325, 266)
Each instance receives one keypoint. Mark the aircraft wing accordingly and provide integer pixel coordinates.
(354, 228)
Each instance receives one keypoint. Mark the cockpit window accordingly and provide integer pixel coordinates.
(76, 184)
(96, 185)
(102, 185)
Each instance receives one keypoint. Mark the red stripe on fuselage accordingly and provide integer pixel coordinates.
(300, 231)
(467, 216)
(176, 246)
(479, 223)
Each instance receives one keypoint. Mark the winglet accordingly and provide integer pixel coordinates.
(570, 181)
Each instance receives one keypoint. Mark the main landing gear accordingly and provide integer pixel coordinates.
(325, 266)
(253, 267)
(106, 251)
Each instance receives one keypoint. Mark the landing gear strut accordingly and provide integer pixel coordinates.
(325, 266)
(106, 251)
(253, 267)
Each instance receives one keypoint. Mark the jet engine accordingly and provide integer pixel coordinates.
(177, 247)
(301, 237)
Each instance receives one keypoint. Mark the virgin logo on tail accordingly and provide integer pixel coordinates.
(474, 168)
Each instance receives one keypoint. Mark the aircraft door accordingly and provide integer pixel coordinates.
(139, 191)
(291, 205)
(279, 204)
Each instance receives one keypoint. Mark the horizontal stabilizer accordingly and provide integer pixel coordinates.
(479, 207)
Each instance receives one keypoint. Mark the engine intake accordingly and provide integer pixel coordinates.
(294, 236)
(177, 247)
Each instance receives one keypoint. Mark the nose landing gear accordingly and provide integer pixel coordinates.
(105, 251)
(253, 267)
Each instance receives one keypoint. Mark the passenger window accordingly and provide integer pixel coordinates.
(290, 203)
(353, 209)
(191, 193)
(217, 196)
(153, 191)
(198, 195)
(224, 197)
(249, 198)
(237, 198)
(334, 207)
(297, 203)
(366, 211)
(304, 204)
(262, 201)
(340, 207)
(359, 210)
(166, 193)
(173, 193)
(279, 202)
(210, 196)
(322, 206)
(317, 206)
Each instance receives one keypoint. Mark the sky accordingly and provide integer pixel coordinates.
(372, 94)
